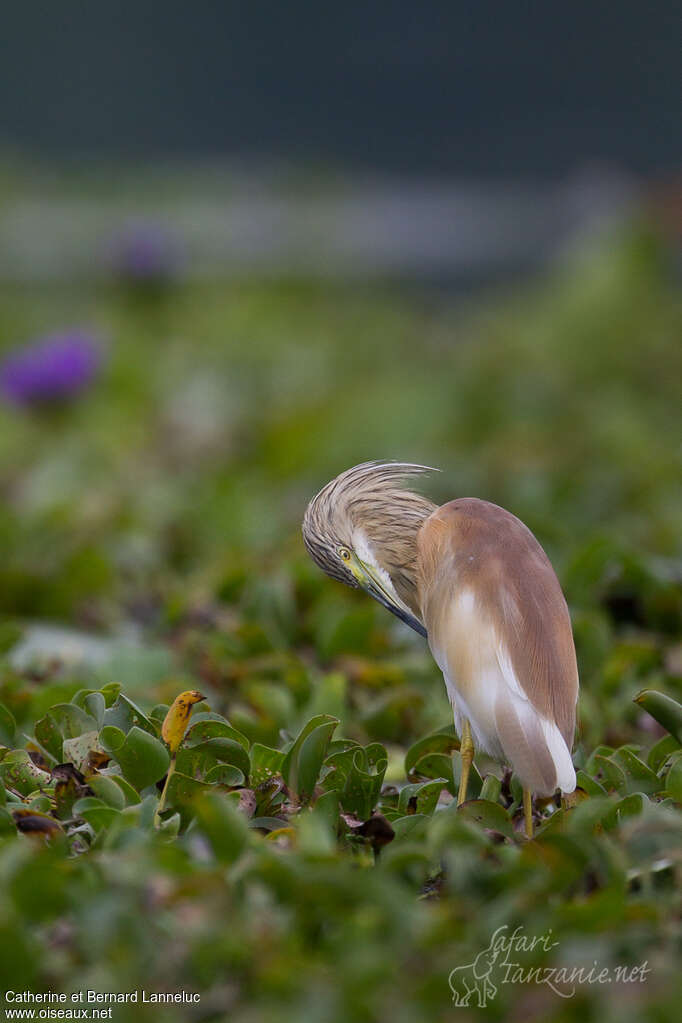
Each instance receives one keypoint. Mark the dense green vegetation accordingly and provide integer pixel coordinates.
(310, 863)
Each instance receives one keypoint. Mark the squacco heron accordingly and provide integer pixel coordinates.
(473, 580)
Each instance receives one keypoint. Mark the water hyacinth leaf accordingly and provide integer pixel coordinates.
(170, 826)
(491, 788)
(108, 791)
(40, 803)
(204, 726)
(110, 692)
(490, 816)
(225, 774)
(158, 713)
(440, 742)
(673, 781)
(8, 726)
(308, 759)
(327, 806)
(266, 823)
(665, 710)
(32, 821)
(112, 738)
(49, 736)
(363, 785)
(223, 825)
(223, 750)
(142, 758)
(176, 720)
(316, 836)
(609, 774)
(589, 785)
(63, 721)
(310, 726)
(639, 777)
(437, 765)
(265, 762)
(95, 705)
(182, 788)
(412, 826)
(131, 795)
(599, 751)
(77, 751)
(475, 783)
(630, 806)
(125, 714)
(96, 812)
(661, 750)
(421, 798)
(72, 720)
(18, 772)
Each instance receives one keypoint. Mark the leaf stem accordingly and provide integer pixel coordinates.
(162, 800)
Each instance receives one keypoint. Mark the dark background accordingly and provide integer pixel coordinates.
(487, 90)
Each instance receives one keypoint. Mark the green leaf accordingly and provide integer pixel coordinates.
(18, 772)
(225, 774)
(631, 806)
(439, 742)
(183, 789)
(357, 775)
(609, 773)
(71, 720)
(411, 826)
(639, 777)
(96, 812)
(112, 738)
(490, 816)
(491, 788)
(223, 825)
(265, 762)
(437, 765)
(210, 726)
(76, 751)
(664, 709)
(308, 759)
(107, 790)
(592, 787)
(224, 750)
(673, 781)
(125, 714)
(132, 797)
(142, 758)
(421, 798)
(290, 760)
(661, 750)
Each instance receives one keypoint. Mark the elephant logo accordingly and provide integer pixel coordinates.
(474, 978)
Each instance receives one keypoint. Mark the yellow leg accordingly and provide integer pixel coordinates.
(466, 750)
(528, 812)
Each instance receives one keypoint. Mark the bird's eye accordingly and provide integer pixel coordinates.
(344, 553)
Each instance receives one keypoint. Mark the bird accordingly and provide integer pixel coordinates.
(473, 580)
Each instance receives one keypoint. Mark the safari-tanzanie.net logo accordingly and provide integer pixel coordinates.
(478, 982)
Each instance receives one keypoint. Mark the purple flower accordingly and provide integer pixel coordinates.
(145, 254)
(52, 369)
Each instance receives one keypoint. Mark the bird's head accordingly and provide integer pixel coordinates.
(362, 530)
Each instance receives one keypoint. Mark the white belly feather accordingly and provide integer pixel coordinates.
(484, 689)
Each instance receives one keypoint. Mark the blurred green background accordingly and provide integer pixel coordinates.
(150, 536)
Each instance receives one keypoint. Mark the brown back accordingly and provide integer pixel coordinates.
(474, 545)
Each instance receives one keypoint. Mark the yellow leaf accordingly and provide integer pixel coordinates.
(175, 722)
